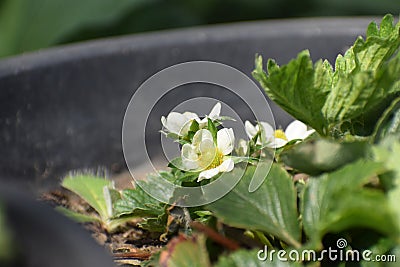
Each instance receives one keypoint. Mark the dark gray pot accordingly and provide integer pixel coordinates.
(62, 109)
(44, 238)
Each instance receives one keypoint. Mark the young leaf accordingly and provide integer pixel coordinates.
(183, 252)
(271, 208)
(379, 46)
(298, 87)
(90, 189)
(366, 75)
(360, 92)
(338, 201)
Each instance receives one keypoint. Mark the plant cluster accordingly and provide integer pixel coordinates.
(339, 179)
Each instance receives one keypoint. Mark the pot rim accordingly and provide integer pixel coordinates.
(321, 26)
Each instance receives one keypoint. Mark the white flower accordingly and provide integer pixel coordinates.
(278, 138)
(178, 123)
(206, 156)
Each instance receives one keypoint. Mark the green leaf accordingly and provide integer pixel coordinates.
(224, 118)
(167, 175)
(183, 252)
(339, 201)
(186, 177)
(155, 224)
(249, 258)
(177, 164)
(362, 92)
(365, 76)
(239, 159)
(389, 123)
(211, 127)
(364, 81)
(271, 208)
(194, 127)
(28, 25)
(91, 189)
(381, 247)
(298, 87)
(136, 202)
(76, 216)
(390, 156)
(317, 156)
(379, 46)
(153, 261)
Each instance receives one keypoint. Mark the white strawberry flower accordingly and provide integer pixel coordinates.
(278, 138)
(206, 156)
(178, 123)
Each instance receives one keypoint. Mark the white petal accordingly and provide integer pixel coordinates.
(164, 121)
(295, 130)
(308, 133)
(226, 166)
(215, 111)
(206, 145)
(200, 136)
(268, 130)
(242, 147)
(175, 123)
(208, 174)
(225, 140)
(277, 143)
(188, 152)
(190, 115)
(189, 157)
(207, 150)
(251, 130)
(202, 123)
(267, 133)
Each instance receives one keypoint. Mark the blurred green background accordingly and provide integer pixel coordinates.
(27, 25)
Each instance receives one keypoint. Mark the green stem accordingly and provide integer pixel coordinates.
(263, 239)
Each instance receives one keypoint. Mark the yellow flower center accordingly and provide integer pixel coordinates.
(218, 159)
(280, 134)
